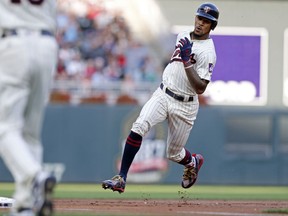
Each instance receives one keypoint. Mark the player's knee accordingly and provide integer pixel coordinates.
(141, 128)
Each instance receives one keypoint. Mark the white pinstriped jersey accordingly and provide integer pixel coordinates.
(25, 14)
(174, 75)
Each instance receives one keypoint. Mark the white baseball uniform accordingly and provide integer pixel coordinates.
(28, 56)
(180, 114)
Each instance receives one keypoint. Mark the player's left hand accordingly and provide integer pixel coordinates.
(185, 49)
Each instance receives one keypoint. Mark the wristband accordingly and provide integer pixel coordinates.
(187, 65)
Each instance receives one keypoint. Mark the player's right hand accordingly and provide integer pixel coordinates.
(185, 49)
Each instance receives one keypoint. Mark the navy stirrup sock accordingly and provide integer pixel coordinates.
(132, 146)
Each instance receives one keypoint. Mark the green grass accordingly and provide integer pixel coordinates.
(135, 191)
(276, 211)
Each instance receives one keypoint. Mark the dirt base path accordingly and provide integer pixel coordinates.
(169, 207)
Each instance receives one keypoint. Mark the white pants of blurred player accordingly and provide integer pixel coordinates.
(27, 65)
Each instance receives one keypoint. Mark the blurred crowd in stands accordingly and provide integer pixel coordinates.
(100, 60)
(99, 47)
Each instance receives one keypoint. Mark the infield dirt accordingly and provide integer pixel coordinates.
(169, 207)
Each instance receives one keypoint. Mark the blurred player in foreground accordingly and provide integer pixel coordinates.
(28, 57)
(187, 75)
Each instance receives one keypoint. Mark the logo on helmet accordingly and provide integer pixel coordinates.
(206, 9)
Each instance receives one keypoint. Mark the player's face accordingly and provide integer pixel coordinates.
(202, 27)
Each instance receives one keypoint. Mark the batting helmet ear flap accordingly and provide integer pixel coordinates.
(213, 25)
(209, 11)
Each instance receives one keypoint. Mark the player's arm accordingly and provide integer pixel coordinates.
(198, 84)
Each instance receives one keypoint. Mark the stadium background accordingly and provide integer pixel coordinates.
(89, 116)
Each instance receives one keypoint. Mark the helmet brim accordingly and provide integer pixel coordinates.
(208, 16)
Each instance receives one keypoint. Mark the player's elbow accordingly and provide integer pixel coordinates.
(200, 91)
(201, 87)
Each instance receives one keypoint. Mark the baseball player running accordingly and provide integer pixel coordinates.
(187, 75)
(28, 55)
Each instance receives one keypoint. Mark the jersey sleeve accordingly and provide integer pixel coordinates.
(205, 66)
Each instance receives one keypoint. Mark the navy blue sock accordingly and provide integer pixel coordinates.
(132, 146)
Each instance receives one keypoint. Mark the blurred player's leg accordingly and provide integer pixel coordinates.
(22, 166)
(39, 96)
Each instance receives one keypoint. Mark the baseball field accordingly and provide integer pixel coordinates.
(166, 200)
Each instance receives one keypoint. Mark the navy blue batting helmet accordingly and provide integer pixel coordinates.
(209, 11)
